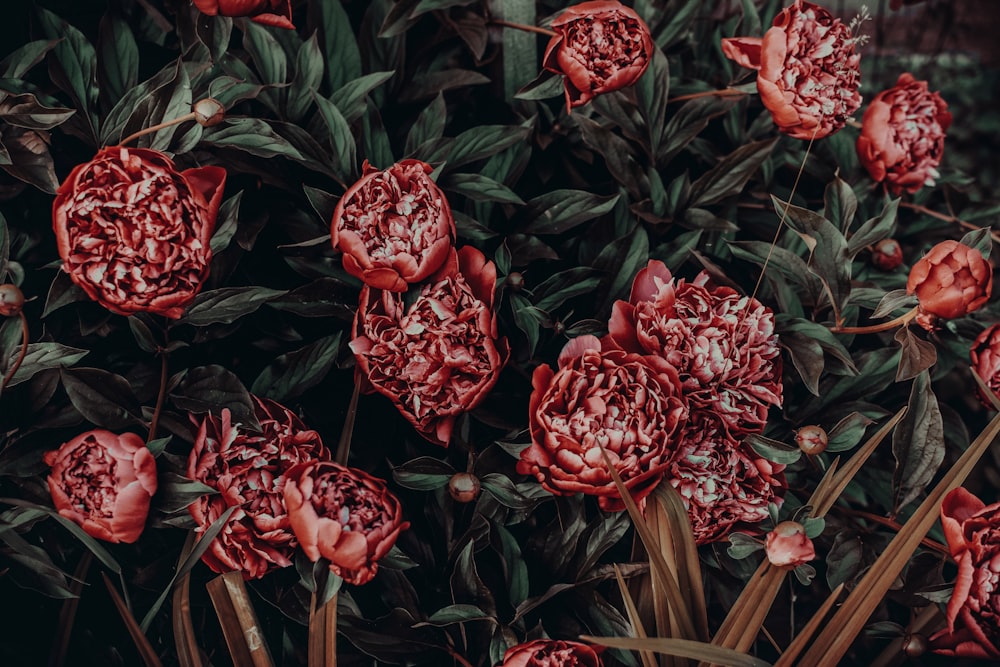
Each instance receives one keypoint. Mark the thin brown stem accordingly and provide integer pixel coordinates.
(889, 523)
(995, 236)
(522, 26)
(161, 396)
(457, 657)
(67, 615)
(20, 357)
(902, 320)
(344, 446)
(725, 92)
(157, 127)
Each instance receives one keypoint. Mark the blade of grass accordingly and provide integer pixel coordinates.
(344, 446)
(142, 644)
(666, 624)
(787, 658)
(188, 651)
(685, 648)
(648, 659)
(67, 614)
(833, 642)
(688, 563)
(323, 633)
(238, 620)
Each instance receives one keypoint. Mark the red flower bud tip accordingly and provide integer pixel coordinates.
(985, 360)
(209, 112)
(464, 487)
(811, 440)
(950, 281)
(914, 645)
(788, 546)
(11, 300)
(515, 281)
(887, 254)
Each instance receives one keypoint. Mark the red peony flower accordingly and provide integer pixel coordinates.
(809, 70)
(600, 46)
(630, 405)
(788, 546)
(102, 482)
(722, 483)
(439, 356)
(134, 233)
(248, 470)
(950, 281)
(972, 530)
(344, 515)
(394, 227)
(552, 653)
(985, 356)
(277, 13)
(722, 344)
(887, 255)
(902, 135)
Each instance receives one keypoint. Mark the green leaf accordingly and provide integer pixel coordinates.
(103, 398)
(773, 450)
(344, 158)
(480, 188)
(651, 93)
(308, 76)
(20, 60)
(456, 613)
(874, 230)
(840, 203)
(337, 40)
(292, 374)
(543, 87)
(226, 305)
(688, 122)
(917, 443)
(622, 260)
(506, 492)
(376, 140)
(843, 561)
(916, 354)
(519, 48)
(226, 223)
(175, 493)
(559, 287)
(178, 104)
(119, 57)
(267, 54)
(980, 239)
(847, 432)
(482, 142)
(742, 545)
(560, 210)
(212, 388)
(731, 174)
(423, 474)
(250, 135)
(680, 22)
(350, 98)
(26, 111)
(75, 69)
(428, 126)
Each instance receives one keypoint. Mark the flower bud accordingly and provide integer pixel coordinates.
(788, 546)
(914, 645)
(811, 440)
(950, 281)
(209, 111)
(887, 254)
(464, 487)
(515, 281)
(984, 356)
(11, 300)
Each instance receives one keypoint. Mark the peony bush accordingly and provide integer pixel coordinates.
(495, 334)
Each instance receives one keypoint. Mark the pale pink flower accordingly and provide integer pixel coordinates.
(788, 545)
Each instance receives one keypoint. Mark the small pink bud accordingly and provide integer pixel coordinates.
(788, 546)
(887, 254)
(463, 487)
(811, 440)
(209, 111)
(11, 300)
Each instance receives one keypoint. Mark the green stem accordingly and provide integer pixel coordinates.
(525, 28)
(162, 395)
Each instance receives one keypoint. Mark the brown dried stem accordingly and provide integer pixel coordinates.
(948, 218)
(725, 92)
(157, 127)
(902, 320)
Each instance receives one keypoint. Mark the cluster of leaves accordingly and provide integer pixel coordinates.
(569, 207)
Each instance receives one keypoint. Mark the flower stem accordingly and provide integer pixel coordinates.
(20, 357)
(525, 28)
(344, 446)
(458, 657)
(995, 236)
(902, 320)
(157, 127)
(162, 394)
(725, 92)
(889, 523)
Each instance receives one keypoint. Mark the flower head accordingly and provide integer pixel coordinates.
(602, 401)
(552, 653)
(808, 70)
(277, 13)
(950, 281)
(887, 254)
(134, 233)
(344, 515)
(902, 135)
(394, 227)
(599, 47)
(985, 357)
(722, 344)
(788, 545)
(439, 356)
(248, 470)
(103, 482)
(972, 530)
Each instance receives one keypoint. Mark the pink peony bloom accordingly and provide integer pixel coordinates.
(102, 482)
(344, 515)
(394, 227)
(134, 233)
(248, 469)
(950, 281)
(808, 70)
(552, 653)
(599, 47)
(277, 13)
(972, 530)
(788, 546)
(722, 344)
(902, 135)
(722, 483)
(628, 404)
(436, 355)
(985, 357)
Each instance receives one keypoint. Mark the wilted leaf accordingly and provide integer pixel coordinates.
(916, 354)
(917, 443)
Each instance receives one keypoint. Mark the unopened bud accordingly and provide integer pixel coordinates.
(914, 645)
(887, 254)
(811, 440)
(515, 281)
(11, 300)
(463, 487)
(209, 111)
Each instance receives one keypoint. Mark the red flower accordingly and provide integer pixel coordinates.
(902, 135)
(394, 227)
(134, 233)
(626, 403)
(972, 530)
(723, 485)
(722, 344)
(788, 546)
(248, 470)
(950, 281)
(809, 70)
(102, 482)
(600, 46)
(439, 356)
(344, 515)
(552, 653)
(985, 356)
(887, 254)
(277, 13)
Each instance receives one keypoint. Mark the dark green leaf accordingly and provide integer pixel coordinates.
(874, 230)
(773, 450)
(679, 23)
(688, 122)
(916, 356)
(344, 157)
(18, 62)
(980, 239)
(103, 398)
(267, 54)
(428, 126)
(503, 489)
(843, 561)
(423, 474)
(291, 374)
(175, 492)
(742, 545)
(917, 443)
(728, 177)
(840, 204)
(520, 49)
(480, 188)
(226, 305)
(557, 288)
(427, 84)
(560, 210)
(375, 140)
(622, 260)
(250, 135)
(308, 76)
(119, 57)
(651, 92)
(226, 223)
(848, 432)
(456, 613)
(212, 388)
(350, 98)
(543, 87)
(338, 43)
(481, 142)
(892, 301)
(26, 111)
(75, 66)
